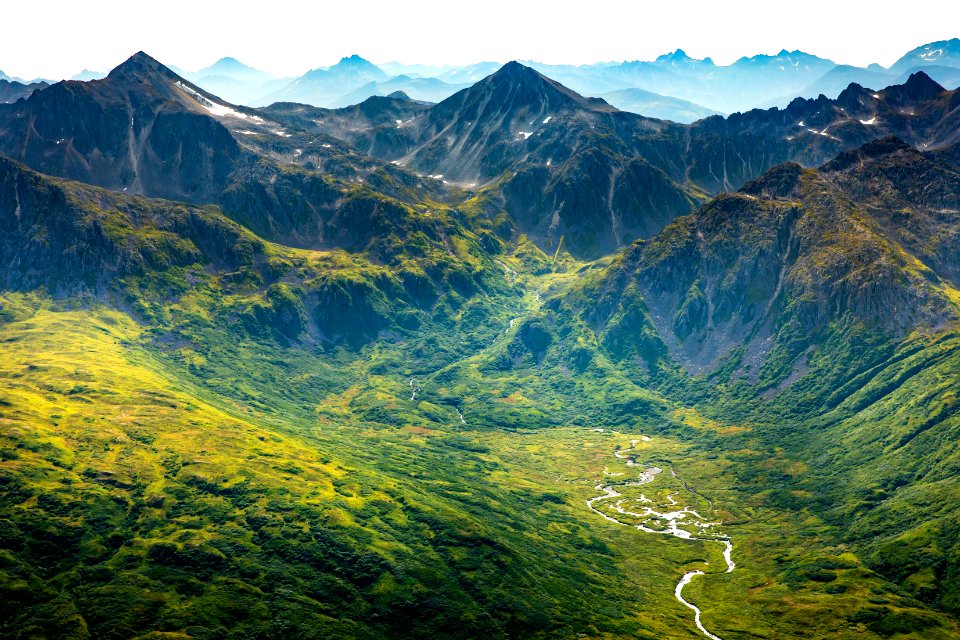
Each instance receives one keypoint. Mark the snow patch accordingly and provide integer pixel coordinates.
(525, 134)
(547, 119)
(217, 109)
(872, 120)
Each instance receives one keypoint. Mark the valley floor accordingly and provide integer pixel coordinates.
(136, 500)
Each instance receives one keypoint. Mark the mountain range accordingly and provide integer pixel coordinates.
(673, 87)
(403, 368)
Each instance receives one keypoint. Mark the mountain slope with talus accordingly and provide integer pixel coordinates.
(724, 153)
(142, 129)
(551, 158)
(756, 274)
(518, 137)
(145, 130)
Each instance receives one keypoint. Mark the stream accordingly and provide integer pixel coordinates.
(645, 515)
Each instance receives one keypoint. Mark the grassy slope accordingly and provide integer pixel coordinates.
(119, 485)
(238, 519)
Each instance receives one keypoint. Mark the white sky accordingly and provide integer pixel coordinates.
(57, 38)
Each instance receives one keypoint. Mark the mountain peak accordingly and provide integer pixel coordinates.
(921, 84)
(518, 86)
(139, 64)
(851, 96)
(514, 69)
(355, 65)
(228, 64)
(941, 53)
(677, 56)
(354, 61)
(879, 148)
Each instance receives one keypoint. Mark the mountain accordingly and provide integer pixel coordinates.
(425, 89)
(144, 130)
(743, 85)
(320, 87)
(234, 69)
(944, 53)
(12, 90)
(125, 131)
(948, 77)
(891, 177)
(656, 106)
(932, 59)
(633, 174)
(376, 111)
(520, 135)
(234, 81)
(834, 81)
(469, 73)
(557, 158)
(451, 74)
(756, 275)
(840, 77)
(812, 131)
(87, 75)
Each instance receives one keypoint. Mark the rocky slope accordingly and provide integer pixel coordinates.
(761, 275)
(12, 90)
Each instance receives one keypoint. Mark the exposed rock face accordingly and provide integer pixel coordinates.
(915, 196)
(766, 270)
(11, 90)
(68, 236)
(139, 130)
(562, 167)
(567, 166)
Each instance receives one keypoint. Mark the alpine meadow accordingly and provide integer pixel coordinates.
(652, 349)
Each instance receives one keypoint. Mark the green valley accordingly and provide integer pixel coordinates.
(265, 377)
